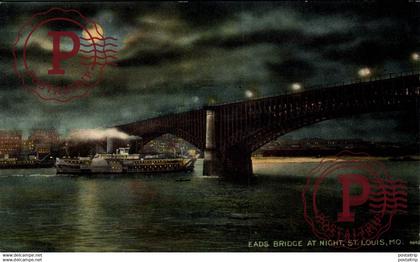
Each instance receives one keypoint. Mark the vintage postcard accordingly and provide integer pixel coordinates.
(287, 126)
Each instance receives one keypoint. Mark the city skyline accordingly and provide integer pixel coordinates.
(285, 138)
(42, 141)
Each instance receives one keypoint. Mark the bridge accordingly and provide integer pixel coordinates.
(229, 133)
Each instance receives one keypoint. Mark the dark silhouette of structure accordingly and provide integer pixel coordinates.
(229, 133)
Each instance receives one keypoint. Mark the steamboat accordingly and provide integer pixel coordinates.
(121, 163)
(27, 162)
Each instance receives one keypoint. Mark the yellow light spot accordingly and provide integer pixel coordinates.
(296, 86)
(93, 31)
(365, 72)
(249, 93)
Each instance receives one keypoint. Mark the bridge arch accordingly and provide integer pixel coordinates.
(146, 138)
(251, 124)
(229, 133)
(270, 133)
(189, 126)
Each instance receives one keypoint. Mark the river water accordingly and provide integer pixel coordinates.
(40, 211)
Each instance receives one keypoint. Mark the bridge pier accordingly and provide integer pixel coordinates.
(238, 165)
(235, 165)
(417, 108)
(212, 163)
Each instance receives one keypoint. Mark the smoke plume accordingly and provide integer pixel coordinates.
(98, 134)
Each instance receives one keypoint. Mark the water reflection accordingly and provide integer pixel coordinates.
(42, 212)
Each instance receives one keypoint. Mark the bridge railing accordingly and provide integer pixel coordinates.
(370, 79)
(161, 117)
(306, 89)
(326, 86)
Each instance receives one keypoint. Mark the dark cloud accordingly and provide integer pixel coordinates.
(207, 14)
(330, 40)
(373, 50)
(155, 57)
(174, 56)
(292, 70)
(252, 38)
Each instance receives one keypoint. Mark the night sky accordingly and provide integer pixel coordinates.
(177, 56)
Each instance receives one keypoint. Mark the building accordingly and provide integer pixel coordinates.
(27, 147)
(44, 136)
(44, 141)
(10, 143)
(322, 147)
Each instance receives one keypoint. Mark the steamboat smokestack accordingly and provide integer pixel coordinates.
(109, 145)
